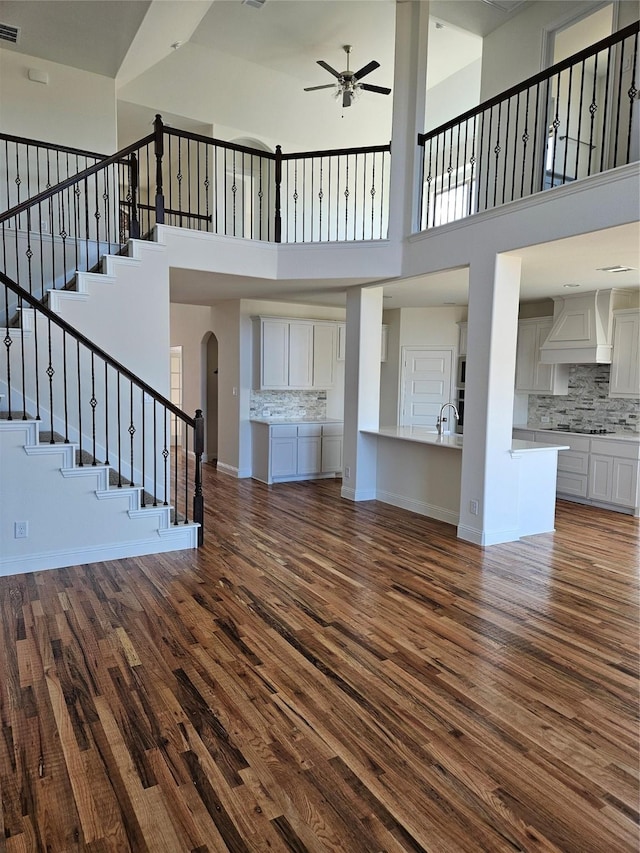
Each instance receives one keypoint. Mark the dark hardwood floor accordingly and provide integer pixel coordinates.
(323, 676)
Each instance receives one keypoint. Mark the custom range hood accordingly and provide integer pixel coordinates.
(582, 327)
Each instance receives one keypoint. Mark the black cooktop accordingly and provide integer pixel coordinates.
(582, 430)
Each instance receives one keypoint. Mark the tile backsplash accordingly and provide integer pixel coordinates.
(288, 404)
(587, 403)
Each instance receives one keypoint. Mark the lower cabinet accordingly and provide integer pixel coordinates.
(284, 452)
(594, 470)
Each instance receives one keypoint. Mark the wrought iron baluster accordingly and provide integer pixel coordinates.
(93, 403)
(206, 184)
(8, 341)
(566, 139)
(23, 376)
(65, 391)
(81, 462)
(186, 473)
(605, 112)
(593, 108)
(144, 438)
(234, 190)
(155, 454)
(535, 140)
(131, 430)
(50, 374)
(506, 149)
(632, 93)
(118, 430)
(579, 132)
(198, 499)
(165, 456)
(555, 124)
(106, 414)
(189, 208)
(175, 478)
(36, 358)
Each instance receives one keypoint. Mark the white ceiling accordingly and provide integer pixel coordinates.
(288, 36)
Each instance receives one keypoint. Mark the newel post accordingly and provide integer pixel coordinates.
(158, 129)
(134, 224)
(278, 219)
(198, 499)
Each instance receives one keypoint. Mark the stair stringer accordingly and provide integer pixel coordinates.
(41, 484)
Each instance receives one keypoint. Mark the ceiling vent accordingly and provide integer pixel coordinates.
(9, 33)
(505, 5)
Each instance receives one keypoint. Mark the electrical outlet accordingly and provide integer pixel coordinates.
(474, 507)
(21, 529)
(545, 419)
(347, 473)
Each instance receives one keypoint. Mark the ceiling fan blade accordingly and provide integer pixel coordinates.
(382, 90)
(313, 88)
(328, 68)
(367, 69)
(346, 98)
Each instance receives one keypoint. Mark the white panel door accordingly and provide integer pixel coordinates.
(426, 385)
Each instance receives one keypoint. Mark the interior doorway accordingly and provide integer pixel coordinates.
(426, 384)
(210, 376)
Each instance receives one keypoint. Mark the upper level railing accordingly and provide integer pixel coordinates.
(575, 119)
(238, 191)
(53, 373)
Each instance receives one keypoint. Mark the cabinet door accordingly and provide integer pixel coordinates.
(309, 454)
(342, 341)
(624, 486)
(275, 354)
(324, 337)
(331, 454)
(300, 355)
(625, 371)
(284, 457)
(600, 477)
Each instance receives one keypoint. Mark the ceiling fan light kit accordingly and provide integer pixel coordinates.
(349, 85)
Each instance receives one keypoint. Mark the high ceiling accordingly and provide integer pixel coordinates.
(287, 37)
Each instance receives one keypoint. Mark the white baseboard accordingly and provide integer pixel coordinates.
(232, 471)
(184, 537)
(419, 507)
(484, 538)
(358, 495)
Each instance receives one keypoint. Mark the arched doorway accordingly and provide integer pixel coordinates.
(210, 396)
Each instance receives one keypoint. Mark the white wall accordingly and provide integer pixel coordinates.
(514, 51)
(454, 95)
(76, 108)
(260, 102)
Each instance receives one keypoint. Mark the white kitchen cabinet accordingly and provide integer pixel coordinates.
(324, 343)
(532, 376)
(462, 338)
(291, 354)
(332, 448)
(342, 341)
(613, 473)
(625, 367)
(295, 451)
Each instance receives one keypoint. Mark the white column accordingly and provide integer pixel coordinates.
(409, 89)
(361, 392)
(489, 489)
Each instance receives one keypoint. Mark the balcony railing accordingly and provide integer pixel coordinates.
(575, 119)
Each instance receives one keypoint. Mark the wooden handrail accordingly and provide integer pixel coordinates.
(95, 349)
(540, 77)
(50, 146)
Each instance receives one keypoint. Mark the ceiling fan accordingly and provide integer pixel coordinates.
(349, 82)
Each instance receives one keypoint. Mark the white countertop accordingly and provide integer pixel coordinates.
(295, 420)
(424, 435)
(613, 436)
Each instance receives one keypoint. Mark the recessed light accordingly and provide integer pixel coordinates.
(615, 268)
(449, 303)
(571, 285)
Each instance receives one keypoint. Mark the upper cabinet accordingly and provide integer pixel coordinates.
(462, 338)
(532, 376)
(293, 354)
(625, 373)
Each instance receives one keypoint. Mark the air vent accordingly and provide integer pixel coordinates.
(257, 4)
(505, 5)
(9, 33)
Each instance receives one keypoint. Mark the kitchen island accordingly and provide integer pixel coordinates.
(421, 471)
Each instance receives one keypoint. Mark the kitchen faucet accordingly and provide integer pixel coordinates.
(442, 420)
